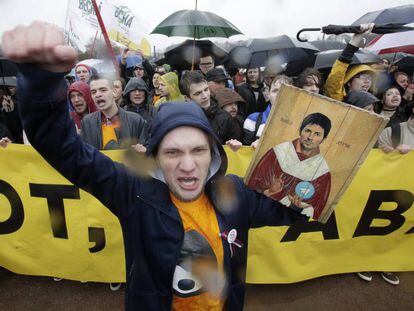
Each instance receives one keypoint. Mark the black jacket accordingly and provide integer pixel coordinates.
(222, 123)
(151, 225)
(252, 105)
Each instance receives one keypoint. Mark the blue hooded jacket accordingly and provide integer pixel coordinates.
(151, 225)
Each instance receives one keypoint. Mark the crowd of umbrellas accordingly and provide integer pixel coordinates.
(395, 41)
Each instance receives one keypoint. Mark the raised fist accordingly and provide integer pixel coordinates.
(40, 44)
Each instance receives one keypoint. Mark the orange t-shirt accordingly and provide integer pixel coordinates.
(108, 132)
(199, 275)
(155, 98)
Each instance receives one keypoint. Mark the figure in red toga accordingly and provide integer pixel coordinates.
(295, 173)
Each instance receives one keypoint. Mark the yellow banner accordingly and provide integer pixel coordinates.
(50, 227)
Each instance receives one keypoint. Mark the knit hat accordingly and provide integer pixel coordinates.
(361, 99)
(175, 114)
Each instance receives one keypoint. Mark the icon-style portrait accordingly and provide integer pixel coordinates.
(308, 153)
(295, 173)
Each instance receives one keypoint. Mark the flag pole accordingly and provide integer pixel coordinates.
(93, 45)
(194, 34)
(105, 35)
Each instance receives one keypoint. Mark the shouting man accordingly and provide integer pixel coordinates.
(185, 240)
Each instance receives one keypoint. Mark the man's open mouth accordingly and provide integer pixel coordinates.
(188, 183)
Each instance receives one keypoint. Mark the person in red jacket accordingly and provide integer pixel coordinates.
(79, 95)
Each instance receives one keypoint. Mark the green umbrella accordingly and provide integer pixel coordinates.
(196, 24)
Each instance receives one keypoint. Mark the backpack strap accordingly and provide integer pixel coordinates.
(395, 134)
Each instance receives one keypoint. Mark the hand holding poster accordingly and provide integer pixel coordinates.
(310, 150)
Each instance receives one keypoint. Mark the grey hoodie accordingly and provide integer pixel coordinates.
(146, 110)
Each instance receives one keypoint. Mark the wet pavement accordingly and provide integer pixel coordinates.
(335, 292)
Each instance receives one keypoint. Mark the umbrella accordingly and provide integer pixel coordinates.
(326, 59)
(239, 56)
(8, 81)
(324, 45)
(403, 14)
(7, 68)
(196, 24)
(280, 51)
(404, 61)
(392, 43)
(340, 29)
(180, 56)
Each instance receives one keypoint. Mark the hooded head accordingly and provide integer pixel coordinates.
(229, 100)
(139, 70)
(185, 164)
(133, 85)
(83, 73)
(364, 77)
(79, 94)
(169, 81)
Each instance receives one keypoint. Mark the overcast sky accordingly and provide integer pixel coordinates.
(255, 18)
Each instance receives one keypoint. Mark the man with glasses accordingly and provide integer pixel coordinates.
(206, 64)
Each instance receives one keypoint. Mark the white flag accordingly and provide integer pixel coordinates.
(81, 22)
(121, 24)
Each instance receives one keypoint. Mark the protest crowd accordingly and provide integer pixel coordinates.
(122, 111)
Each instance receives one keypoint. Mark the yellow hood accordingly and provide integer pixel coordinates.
(354, 70)
(171, 81)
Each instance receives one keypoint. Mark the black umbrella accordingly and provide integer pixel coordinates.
(239, 57)
(282, 42)
(340, 29)
(7, 68)
(324, 45)
(180, 56)
(403, 14)
(8, 81)
(404, 61)
(326, 59)
(279, 51)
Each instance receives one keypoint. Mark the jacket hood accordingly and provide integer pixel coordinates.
(132, 85)
(225, 96)
(354, 70)
(91, 73)
(84, 89)
(171, 81)
(135, 84)
(173, 115)
(361, 99)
